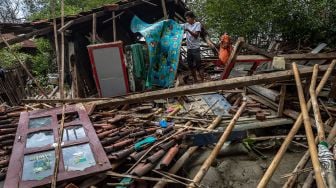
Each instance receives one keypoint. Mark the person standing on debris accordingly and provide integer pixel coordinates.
(225, 48)
(193, 29)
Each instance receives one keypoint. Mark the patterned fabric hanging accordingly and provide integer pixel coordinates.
(164, 41)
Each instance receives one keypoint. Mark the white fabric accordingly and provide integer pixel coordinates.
(192, 42)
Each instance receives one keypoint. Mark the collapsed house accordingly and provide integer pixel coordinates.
(169, 137)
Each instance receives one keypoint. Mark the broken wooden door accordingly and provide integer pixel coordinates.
(33, 156)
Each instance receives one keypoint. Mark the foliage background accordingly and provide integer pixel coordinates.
(307, 21)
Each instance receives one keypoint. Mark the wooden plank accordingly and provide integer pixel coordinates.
(232, 59)
(263, 124)
(282, 100)
(26, 36)
(193, 89)
(309, 56)
(258, 50)
(268, 93)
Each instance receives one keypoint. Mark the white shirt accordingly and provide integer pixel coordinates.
(192, 42)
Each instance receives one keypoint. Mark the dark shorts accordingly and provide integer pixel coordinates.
(194, 58)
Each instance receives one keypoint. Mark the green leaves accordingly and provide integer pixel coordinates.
(40, 9)
(293, 20)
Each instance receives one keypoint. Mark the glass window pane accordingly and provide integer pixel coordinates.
(38, 166)
(39, 122)
(73, 133)
(78, 157)
(39, 139)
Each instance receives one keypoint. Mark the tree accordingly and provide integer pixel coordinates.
(40, 9)
(10, 11)
(289, 20)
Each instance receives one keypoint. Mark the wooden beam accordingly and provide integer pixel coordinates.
(53, 10)
(61, 79)
(268, 93)
(232, 59)
(94, 27)
(282, 100)
(27, 36)
(66, 26)
(309, 56)
(164, 9)
(258, 50)
(193, 89)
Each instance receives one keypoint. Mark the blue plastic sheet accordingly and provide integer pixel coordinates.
(164, 41)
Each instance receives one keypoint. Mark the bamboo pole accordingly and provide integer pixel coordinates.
(61, 84)
(277, 158)
(206, 165)
(310, 135)
(318, 119)
(186, 156)
(58, 149)
(301, 164)
(114, 27)
(53, 10)
(164, 9)
(23, 66)
(94, 27)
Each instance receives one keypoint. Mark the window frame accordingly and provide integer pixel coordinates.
(15, 169)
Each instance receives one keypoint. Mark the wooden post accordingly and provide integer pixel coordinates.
(206, 165)
(94, 27)
(58, 149)
(186, 156)
(308, 128)
(277, 158)
(61, 80)
(114, 27)
(73, 70)
(164, 9)
(53, 5)
(316, 108)
(282, 100)
(24, 67)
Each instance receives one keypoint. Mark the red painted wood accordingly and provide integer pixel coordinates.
(14, 173)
